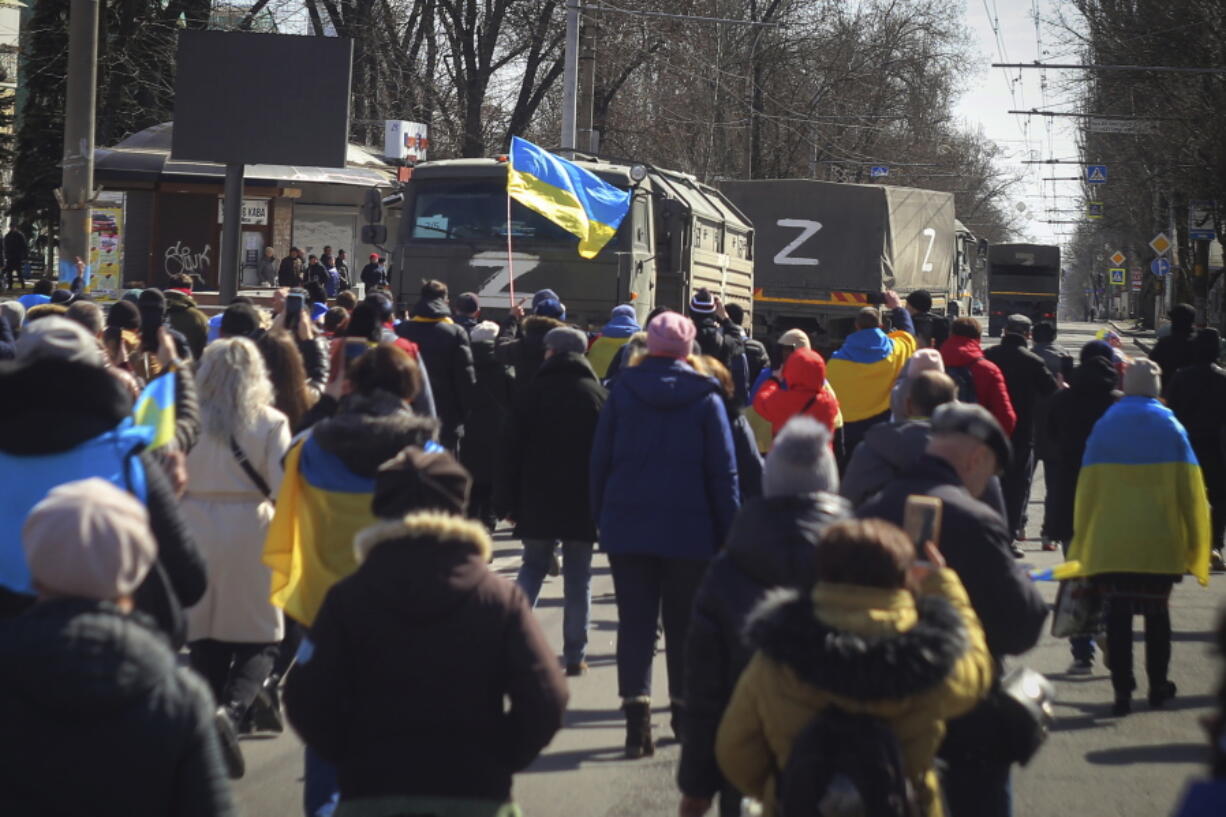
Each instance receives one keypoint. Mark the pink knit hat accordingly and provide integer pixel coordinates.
(670, 334)
(925, 360)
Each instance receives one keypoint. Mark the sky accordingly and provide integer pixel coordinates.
(991, 92)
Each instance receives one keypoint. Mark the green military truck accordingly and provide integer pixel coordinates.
(826, 250)
(678, 236)
(1022, 279)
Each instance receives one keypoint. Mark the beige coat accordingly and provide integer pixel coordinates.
(228, 517)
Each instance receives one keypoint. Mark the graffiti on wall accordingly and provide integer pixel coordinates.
(180, 258)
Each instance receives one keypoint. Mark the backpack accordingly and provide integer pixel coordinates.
(845, 765)
(965, 381)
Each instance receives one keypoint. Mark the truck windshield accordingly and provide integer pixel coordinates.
(475, 210)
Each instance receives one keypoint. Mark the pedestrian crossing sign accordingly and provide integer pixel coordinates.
(1094, 209)
(1096, 174)
(1117, 276)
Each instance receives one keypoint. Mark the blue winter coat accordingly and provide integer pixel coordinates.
(664, 479)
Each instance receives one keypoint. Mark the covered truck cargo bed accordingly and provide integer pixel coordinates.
(816, 242)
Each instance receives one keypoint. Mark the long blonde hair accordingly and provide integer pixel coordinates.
(233, 386)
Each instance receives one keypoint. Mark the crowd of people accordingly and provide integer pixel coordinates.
(315, 535)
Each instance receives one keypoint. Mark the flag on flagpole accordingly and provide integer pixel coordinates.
(568, 195)
(155, 409)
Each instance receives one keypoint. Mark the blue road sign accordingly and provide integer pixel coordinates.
(1160, 267)
(1096, 174)
(1117, 276)
(878, 171)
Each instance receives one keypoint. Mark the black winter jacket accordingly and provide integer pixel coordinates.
(1070, 419)
(101, 721)
(410, 662)
(1028, 380)
(1197, 395)
(368, 430)
(724, 342)
(544, 483)
(975, 543)
(444, 346)
(770, 545)
(523, 347)
(70, 403)
(489, 413)
(1172, 353)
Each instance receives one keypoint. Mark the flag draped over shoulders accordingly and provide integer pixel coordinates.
(309, 546)
(864, 369)
(1141, 505)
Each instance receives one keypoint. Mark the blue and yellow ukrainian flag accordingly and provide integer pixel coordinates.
(155, 409)
(1141, 505)
(309, 547)
(571, 197)
(863, 371)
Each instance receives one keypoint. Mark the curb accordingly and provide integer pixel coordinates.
(1131, 335)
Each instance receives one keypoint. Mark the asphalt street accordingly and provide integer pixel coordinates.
(1093, 765)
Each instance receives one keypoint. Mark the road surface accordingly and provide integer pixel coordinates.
(1093, 765)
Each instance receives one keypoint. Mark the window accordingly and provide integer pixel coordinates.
(475, 211)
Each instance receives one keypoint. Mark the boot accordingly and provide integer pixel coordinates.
(1160, 693)
(231, 752)
(265, 712)
(638, 729)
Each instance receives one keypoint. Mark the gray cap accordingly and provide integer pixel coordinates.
(974, 421)
(1018, 323)
(800, 461)
(14, 312)
(566, 339)
(60, 338)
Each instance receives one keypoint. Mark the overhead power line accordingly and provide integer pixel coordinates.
(1033, 112)
(1173, 69)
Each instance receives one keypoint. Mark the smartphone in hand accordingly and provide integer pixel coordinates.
(293, 309)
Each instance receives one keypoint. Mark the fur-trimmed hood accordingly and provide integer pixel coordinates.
(786, 628)
(371, 429)
(539, 325)
(424, 565)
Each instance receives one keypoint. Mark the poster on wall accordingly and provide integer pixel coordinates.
(105, 272)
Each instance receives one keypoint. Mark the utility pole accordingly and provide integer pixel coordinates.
(570, 76)
(77, 193)
(588, 139)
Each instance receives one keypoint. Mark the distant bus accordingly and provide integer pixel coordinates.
(1022, 279)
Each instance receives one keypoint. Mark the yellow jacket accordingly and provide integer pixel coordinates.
(936, 649)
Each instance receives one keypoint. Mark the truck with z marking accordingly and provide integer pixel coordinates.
(679, 235)
(826, 250)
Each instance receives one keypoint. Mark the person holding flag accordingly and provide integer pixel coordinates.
(83, 414)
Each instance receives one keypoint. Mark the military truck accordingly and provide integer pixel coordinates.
(1022, 279)
(826, 250)
(678, 236)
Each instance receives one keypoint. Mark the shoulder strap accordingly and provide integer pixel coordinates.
(809, 404)
(250, 471)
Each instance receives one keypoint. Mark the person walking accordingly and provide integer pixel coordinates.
(1141, 522)
(1061, 365)
(1197, 395)
(234, 473)
(879, 635)
(1070, 419)
(467, 310)
(544, 485)
(429, 701)
(788, 342)
(924, 360)
(931, 330)
(16, 253)
(865, 367)
(800, 391)
(967, 448)
(771, 545)
(184, 316)
(1029, 382)
(268, 268)
(1174, 351)
(342, 269)
(979, 379)
(521, 340)
(623, 323)
(756, 356)
(748, 458)
(112, 726)
(485, 426)
(719, 338)
(663, 493)
(446, 350)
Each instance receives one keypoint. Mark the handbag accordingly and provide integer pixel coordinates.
(250, 471)
(1024, 702)
(1078, 610)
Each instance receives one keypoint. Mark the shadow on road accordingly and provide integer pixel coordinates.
(1157, 753)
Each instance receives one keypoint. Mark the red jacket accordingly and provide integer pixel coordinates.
(806, 393)
(989, 383)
